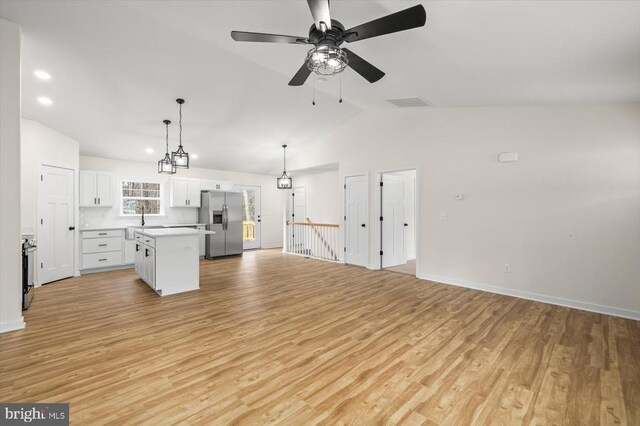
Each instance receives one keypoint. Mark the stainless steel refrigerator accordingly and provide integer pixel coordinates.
(222, 213)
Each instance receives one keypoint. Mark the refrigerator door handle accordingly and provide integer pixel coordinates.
(225, 217)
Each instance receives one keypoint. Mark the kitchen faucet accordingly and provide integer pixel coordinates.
(143, 215)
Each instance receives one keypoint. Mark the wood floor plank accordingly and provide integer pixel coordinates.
(273, 338)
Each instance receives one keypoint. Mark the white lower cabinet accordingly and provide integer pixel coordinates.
(101, 260)
(167, 260)
(102, 249)
(129, 252)
(150, 266)
(203, 241)
(145, 261)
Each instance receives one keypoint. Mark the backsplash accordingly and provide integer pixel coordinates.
(91, 217)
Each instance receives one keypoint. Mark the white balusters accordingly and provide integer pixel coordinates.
(316, 240)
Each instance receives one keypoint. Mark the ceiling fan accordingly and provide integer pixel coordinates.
(326, 35)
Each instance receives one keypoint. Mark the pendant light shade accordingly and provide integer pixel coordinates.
(166, 165)
(284, 181)
(180, 158)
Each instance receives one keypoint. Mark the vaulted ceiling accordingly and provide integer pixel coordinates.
(117, 68)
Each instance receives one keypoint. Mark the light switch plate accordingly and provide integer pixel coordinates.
(444, 216)
(459, 197)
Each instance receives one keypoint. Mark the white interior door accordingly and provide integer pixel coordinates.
(56, 213)
(298, 213)
(392, 193)
(251, 216)
(298, 202)
(356, 211)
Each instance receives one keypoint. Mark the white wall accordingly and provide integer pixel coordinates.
(10, 254)
(42, 145)
(272, 198)
(566, 217)
(320, 187)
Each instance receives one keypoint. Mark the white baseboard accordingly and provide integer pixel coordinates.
(271, 246)
(12, 325)
(569, 303)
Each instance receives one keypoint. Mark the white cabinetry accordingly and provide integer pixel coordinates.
(185, 192)
(167, 259)
(96, 189)
(145, 259)
(129, 252)
(216, 185)
(203, 240)
(102, 249)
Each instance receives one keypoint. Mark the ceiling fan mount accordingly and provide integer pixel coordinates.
(335, 35)
(327, 35)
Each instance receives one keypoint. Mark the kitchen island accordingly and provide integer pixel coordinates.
(167, 259)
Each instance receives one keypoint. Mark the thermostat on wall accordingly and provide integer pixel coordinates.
(508, 157)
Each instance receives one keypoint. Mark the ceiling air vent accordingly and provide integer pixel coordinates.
(409, 102)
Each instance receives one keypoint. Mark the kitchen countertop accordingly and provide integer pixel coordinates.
(117, 227)
(172, 232)
(103, 228)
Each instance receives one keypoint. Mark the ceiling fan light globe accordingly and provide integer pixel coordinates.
(326, 60)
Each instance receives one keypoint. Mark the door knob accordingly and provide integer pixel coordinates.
(363, 225)
(406, 224)
(72, 228)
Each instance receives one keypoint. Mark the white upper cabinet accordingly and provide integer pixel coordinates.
(104, 189)
(216, 185)
(193, 192)
(185, 192)
(96, 189)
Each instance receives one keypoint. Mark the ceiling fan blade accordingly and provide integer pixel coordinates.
(362, 67)
(267, 38)
(320, 13)
(301, 76)
(412, 17)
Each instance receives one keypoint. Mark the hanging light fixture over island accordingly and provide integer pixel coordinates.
(180, 158)
(166, 165)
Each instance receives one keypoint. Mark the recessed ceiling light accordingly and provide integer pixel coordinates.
(194, 156)
(42, 75)
(149, 150)
(44, 100)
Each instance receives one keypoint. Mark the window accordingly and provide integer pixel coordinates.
(137, 195)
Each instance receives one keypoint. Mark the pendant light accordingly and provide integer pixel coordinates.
(166, 165)
(284, 181)
(180, 158)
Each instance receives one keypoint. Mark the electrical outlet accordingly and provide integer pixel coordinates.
(507, 268)
(444, 216)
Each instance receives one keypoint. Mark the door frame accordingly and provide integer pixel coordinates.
(290, 207)
(240, 187)
(344, 209)
(76, 209)
(417, 214)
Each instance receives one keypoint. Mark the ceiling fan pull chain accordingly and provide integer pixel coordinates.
(313, 84)
(340, 101)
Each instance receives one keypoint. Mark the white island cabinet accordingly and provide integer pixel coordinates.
(168, 259)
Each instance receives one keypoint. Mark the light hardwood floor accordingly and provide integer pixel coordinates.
(408, 268)
(277, 338)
